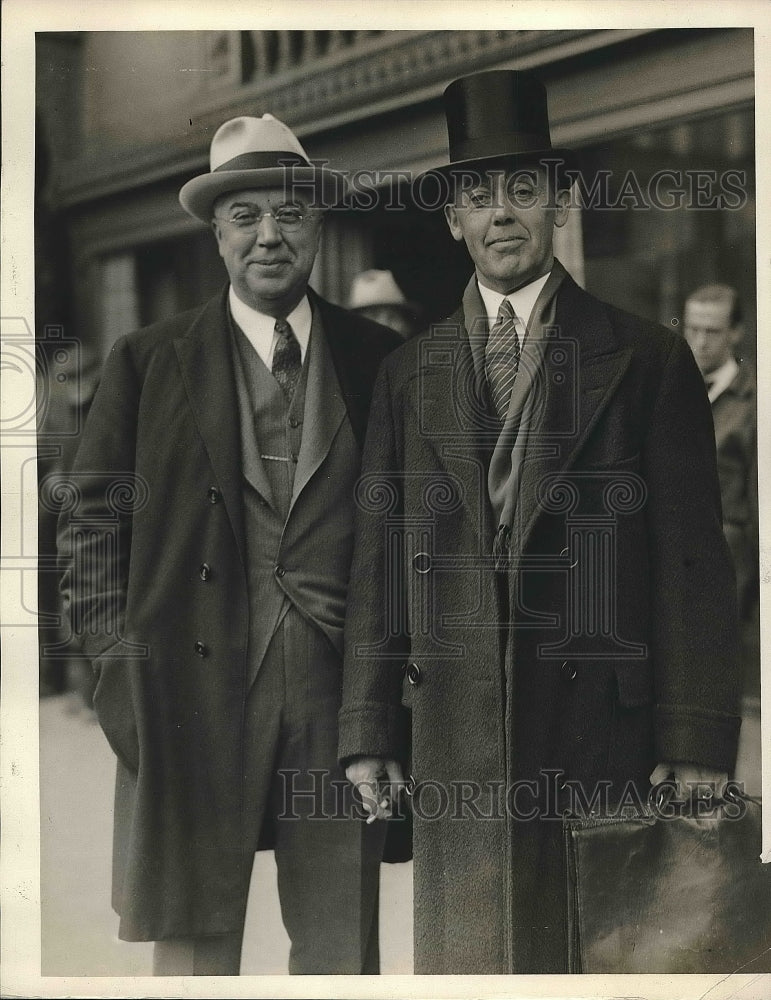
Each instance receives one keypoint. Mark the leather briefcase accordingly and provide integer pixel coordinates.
(652, 894)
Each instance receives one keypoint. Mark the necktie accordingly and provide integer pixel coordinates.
(502, 358)
(287, 362)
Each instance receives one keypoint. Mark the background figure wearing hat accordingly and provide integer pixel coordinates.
(714, 331)
(549, 566)
(376, 295)
(216, 478)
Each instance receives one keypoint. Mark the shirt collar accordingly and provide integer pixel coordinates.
(259, 328)
(523, 299)
(722, 378)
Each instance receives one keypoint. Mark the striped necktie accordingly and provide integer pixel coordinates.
(502, 358)
(287, 360)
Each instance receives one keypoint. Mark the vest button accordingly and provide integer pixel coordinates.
(214, 495)
(200, 649)
(280, 571)
(413, 674)
(294, 422)
(204, 571)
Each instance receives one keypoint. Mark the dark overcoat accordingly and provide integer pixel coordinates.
(734, 413)
(153, 539)
(611, 646)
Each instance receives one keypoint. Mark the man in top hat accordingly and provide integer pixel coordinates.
(542, 613)
(207, 580)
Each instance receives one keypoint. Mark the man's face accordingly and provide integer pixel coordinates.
(507, 223)
(269, 257)
(709, 333)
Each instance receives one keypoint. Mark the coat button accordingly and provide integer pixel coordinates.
(204, 571)
(568, 671)
(200, 649)
(413, 674)
(280, 571)
(294, 422)
(214, 495)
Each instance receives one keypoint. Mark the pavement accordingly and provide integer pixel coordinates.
(79, 928)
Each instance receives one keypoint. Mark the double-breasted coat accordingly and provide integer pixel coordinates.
(152, 535)
(611, 645)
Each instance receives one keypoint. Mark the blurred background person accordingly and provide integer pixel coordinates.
(376, 295)
(714, 329)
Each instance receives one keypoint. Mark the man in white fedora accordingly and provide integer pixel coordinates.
(215, 479)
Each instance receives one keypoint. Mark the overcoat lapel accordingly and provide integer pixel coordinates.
(324, 408)
(206, 364)
(452, 415)
(576, 394)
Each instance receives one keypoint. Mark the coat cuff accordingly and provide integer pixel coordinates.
(373, 729)
(696, 736)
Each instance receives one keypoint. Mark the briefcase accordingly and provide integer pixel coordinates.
(651, 894)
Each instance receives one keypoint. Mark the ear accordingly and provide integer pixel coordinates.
(452, 221)
(737, 334)
(562, 207)
(217, 230)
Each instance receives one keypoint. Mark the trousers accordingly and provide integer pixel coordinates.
(298, 802)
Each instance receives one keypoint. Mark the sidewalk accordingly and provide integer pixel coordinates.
(79, 928)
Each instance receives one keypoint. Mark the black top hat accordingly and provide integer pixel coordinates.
(499, 116)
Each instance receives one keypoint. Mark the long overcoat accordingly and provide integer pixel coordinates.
(611, 646)
(152, 534)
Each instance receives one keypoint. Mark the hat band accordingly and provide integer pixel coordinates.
(263, 161)
(517, 143)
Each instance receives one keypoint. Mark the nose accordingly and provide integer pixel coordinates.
(268, 231)
(503, 210)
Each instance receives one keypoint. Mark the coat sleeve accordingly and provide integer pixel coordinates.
(373, 721)
(694, 630)
(94, 530)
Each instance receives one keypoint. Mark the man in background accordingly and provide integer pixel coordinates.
(376, 295)
(714, 330)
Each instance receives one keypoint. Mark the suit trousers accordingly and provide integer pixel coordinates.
(298, 801)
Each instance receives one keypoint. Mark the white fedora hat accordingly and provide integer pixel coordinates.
(376, 288)
(262, 152)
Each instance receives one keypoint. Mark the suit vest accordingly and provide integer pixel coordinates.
(298, 539)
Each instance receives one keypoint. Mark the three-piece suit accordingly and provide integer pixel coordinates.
(599, 641)
(208, 545)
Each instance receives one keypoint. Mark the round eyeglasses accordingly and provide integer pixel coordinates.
(247, 220)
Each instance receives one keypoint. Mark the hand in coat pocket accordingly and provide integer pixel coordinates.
(113, 703)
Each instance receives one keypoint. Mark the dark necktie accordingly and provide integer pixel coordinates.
(287, 361)
(502, 358)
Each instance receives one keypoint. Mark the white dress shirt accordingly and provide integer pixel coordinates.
(259, 328)
(720, 379)
(522, 300)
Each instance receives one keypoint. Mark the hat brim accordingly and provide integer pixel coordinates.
(198, 195)
(564, 160)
